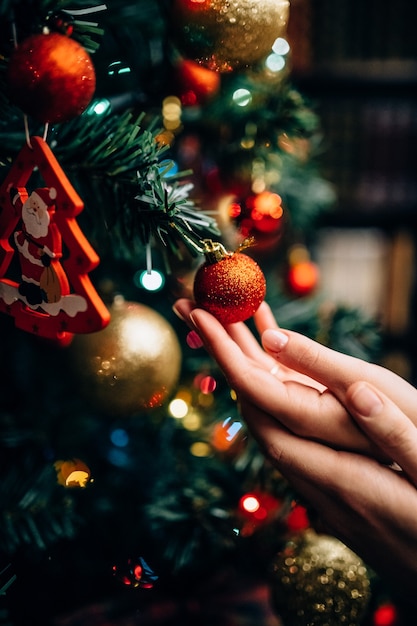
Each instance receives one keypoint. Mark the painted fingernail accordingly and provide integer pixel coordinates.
(178, 313)
(366, 402)
(274, 340)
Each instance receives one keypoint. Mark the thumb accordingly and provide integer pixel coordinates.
(385, 424)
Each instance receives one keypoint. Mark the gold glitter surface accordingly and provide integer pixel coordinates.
(130, 366)
(318, 581)
(224, 35)
(231, 289)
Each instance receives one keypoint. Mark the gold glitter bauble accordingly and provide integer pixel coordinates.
(132, 365)
(318, 581)
(225, 35)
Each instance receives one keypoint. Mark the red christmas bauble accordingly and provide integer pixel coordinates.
(303, 277)
(231, 286)
(51, 77)
(197, 84)
(386, 615)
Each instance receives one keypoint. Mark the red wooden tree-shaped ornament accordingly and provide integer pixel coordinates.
(52, 295)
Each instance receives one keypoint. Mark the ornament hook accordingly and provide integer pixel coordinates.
(27, 133)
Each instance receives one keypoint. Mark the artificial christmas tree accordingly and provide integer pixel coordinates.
(174, 516)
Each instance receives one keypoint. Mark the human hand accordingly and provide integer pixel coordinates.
(312, 419)
(367, 504)
(302, 383)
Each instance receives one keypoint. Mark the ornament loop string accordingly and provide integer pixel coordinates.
(25, 117)
(27, 133)
(148, 258)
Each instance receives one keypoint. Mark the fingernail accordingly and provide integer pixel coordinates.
(193, 320)
(366, 402)
(274, 340)
(178, 313)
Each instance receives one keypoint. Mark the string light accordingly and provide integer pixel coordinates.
(171, 113)
(117, 67)
(119, 437)
(151, 281)
(281, 46)
(192, 421)
(242, 97)
(250, 503)
(178, 408)
(99, 107)
(72, 473)
(200, 449)
(275, 62)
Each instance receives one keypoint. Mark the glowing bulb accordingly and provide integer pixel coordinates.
(200, 448)
(281, 46)
(250, 504)
(191, 421)
(99, 107)
(117, 68)
(73, 473)
(178, 408)
(275, 62)
(151, 281)
(78, 478)
(119, 437)
(242, 97)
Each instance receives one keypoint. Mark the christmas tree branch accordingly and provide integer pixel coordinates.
(127, 161)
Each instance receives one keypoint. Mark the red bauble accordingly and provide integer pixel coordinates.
(303, 277)
(231, 286)
(386, 615)
(51, 77)
(197, 84)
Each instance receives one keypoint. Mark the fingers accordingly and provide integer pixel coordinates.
(264, 318)
(239, 332)
(311, 466)
(302, 408)
(386, 425)
(368, 506)
(331, 480)
(335, 370)
(331, 368)
(183, 307)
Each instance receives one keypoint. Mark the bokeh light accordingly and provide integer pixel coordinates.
(151, 281)
(242, 97)
(178, 408)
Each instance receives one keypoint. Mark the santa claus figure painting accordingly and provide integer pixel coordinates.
(39, 245)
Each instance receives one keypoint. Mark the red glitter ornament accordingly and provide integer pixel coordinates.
(303, 278)
(229, 285)
(51, 77)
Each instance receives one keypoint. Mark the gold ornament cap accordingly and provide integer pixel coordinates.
(214, 251)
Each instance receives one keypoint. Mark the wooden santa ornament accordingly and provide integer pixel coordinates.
(51, 294)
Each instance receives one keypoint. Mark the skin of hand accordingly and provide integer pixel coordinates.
(294, 379)
(322, 419)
